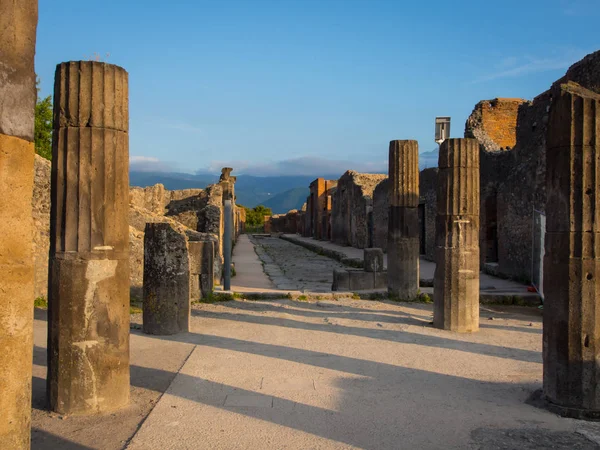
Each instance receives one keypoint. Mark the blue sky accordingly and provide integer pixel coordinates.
(314, 85)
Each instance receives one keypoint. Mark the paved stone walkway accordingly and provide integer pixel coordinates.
(427, 268)
(294, 268)
(249, 273)
(355, 374)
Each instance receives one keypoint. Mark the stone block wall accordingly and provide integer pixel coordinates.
(41, 225)
(494, 123)
(381, 210)
(513, 184)
(352, 204)
(427, 212)
(198, 212)
(428, 181)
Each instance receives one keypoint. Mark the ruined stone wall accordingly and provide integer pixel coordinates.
(494, 123)
(352, 202)
(41, 225)
(381, 210)
(513, 185)
(428, 181)
(198, 211)
(427, 206)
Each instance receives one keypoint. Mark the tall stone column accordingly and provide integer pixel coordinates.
(88, 323)
(403, 222)
(456, 279)
(571, 348)
(18, 23)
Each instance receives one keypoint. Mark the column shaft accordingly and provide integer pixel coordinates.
(88, 318)
(18, 23)
(403, 220)
(456, 279)
(572, 260)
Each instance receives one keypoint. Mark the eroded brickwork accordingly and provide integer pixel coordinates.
(494, 123)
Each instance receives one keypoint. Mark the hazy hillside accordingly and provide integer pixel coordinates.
(288, 200)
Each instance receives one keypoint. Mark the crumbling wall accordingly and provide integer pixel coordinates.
(428, 183)
(513, 185)
(494, 123)
(199, 212)
(427, 212)
(41, 225)
(352, 204)
(381, 210)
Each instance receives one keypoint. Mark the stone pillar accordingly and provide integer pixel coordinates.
(88, 316)
(166, 280)
(571, 348)
(456, 279)
(403, 222)
(201, 268)
(18, 23)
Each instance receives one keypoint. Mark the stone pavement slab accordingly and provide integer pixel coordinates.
(354, 257)
(249, 274)
(355, 374)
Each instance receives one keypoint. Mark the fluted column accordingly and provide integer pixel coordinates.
(571, 349)
(403, 220)
(18, 23)
(456, 279)
(88, 324)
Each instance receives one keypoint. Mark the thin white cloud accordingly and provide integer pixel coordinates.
(305, 165)
(149, 164)
(184, 127)
(527, 65)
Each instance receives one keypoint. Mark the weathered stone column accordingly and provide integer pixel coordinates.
(18, 23)
(572, 261)
(88, 318)
(456, 279)
(166, 280)
(403, 222)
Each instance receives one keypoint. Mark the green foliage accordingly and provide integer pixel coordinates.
(43, 126)
(215, 297)
(40, 302)
(256, 216)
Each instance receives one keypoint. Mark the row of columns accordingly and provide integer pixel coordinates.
(88, 347)
(88, 317)
(456, 280)
(571, 333)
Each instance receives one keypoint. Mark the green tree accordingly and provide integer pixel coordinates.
(43, 125)
(256, 216)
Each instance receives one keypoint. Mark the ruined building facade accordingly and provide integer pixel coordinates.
(512, 140)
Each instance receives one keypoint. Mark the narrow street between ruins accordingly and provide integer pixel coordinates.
(325, 374)
(291, 267)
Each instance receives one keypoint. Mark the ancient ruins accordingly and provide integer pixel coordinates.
(315, 332)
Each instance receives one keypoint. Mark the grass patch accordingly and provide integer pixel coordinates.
(216, 297)
(134, 309)
(302, 298)
(41, 302)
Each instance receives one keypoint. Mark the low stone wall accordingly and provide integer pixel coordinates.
(197, 212)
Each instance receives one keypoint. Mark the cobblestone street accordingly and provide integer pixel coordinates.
(292, 267)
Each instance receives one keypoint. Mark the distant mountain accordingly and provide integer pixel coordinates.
(288, 200)
(428, 159)
(250, 191)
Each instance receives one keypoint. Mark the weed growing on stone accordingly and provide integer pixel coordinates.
(41, 302)
(302, 298)
(216, 297)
